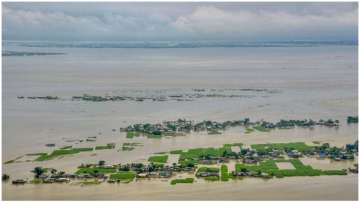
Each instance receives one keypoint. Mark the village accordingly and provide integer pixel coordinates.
(183, 126)
(209, 164)
(189, 95)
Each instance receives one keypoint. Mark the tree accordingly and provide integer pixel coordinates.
(101, 163)
(53, 171)
(38, 171)
(5, 177)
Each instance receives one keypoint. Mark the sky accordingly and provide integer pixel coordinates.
(188, 21)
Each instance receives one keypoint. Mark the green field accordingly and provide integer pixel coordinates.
(131, 134)
(208, 169)
(269, 167)
(212, 178)
(300, 146)
(261, 128)
(95, 170)
(158, 159)
(62, 152)
(107, 146)
(191, 156)
(224, 173)
(123, 176)
(249, 130)
(176, 152)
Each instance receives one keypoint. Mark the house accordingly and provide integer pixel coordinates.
(165, 174)
(19, 182)
(249, 161)
(142, 175)
(206, 174)
(294, 154)
(61, 180)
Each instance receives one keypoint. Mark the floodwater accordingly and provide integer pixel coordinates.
(292, 188)
(308, 82)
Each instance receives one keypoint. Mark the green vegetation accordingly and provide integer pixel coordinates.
(62, 152)
(36, 181)
(212, 178)
(133, 144)
(191, 156)
(176, 152)
(269, 167)
(214, 132)
(224, 173)
(249, 130)
(95, 170)
(186, 180)
(13, 160)
(66, 147)
(131, 134)
(334, 172)
(10, 161)
(129, 146)
(352, 119)
(208, 169)
(124, 148)
(35, 154)
(158, 159)
(123, 176)
(107, 146)
(261, 128)
(300, 146)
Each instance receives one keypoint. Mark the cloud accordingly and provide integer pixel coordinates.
(207, 21)
(186, 21)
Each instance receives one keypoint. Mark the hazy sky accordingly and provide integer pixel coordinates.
(180, 21)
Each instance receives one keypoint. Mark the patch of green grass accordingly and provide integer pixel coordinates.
(129, 146)
(35, 154)
(203, 152)
(300, 146)
(107, 146)
(62, 152)
(208, 169)
(224, 173)
(150, 135)
(214, 132)
(10, 161)
(334, 172)
(160, 153)
(13, 160)
(176, 152)
(158, 159)
(95, 170)
(36, 181)
(269, 166)
(249, 130)
(132, 134)
(132, 144)
(123, 176)
(66, 147)
(125, 148)
(188, 162)
(192, 155)
(261, 128)
(186, 180)
(212, 178)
